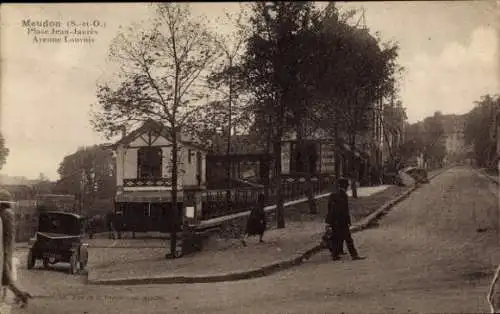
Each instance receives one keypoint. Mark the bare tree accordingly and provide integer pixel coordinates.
(163, 74)
(224, 81)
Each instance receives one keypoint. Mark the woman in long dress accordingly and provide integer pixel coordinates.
(7, 247)
(256, 224)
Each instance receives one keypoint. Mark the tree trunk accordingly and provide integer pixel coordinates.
(354, 168)
(175, 218)
(280, 214)
(229, 163)
(336, 129)
(268, 167)
(305, 155)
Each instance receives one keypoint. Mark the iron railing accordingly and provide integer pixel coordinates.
(215, 203)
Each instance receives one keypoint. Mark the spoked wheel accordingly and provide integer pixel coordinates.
(73, 264)
(31, 260)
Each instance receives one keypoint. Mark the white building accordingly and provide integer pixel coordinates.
(143, 177)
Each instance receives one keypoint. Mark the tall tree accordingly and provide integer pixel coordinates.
(227, 87)
(270, 68)
(480, 129)
(355, 71)
(413, 144)
(4, 151)
(164, 70)
(89, 175)
(434, 149)
(394, 118)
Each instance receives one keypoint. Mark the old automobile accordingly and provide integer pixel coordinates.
(59, 238)
(419, 174)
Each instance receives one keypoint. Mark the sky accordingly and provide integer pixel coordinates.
(449, 51)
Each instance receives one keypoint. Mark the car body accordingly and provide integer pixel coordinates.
(59, 238)
(419, 174)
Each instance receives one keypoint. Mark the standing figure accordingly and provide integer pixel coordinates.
(110, 225)
(256, 224)
(339, 219)
(7, 247)
(118, 222)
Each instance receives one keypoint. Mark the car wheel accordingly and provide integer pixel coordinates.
(31, 260)
(73, 264)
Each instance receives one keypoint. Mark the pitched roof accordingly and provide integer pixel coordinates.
(159, 128)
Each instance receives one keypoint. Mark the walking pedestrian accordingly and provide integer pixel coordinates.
(7, 247)
(329, 236)
(339, 219)
(256, 224)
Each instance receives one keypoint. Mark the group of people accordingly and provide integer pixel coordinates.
(338, 222)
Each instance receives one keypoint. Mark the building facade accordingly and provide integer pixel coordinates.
(320, 152)
(144, 182)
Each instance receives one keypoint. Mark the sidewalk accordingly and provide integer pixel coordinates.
(493, 178)
(148, 241)
(221, 257)
(228, 260)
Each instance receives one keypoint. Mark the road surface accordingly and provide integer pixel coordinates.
(434, 252)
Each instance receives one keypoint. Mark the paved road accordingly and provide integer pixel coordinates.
(434, 252)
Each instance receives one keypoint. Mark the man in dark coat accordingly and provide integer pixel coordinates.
(339, 219)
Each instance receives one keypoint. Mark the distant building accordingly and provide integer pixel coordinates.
(456, 148)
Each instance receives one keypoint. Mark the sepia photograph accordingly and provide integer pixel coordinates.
(250, 157)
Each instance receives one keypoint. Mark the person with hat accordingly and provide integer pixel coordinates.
(339, 220)
(7, 247)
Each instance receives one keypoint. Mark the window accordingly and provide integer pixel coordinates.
(149, 162)
(190, 152)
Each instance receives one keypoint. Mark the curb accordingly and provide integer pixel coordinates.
(261, 271)
(491, 178)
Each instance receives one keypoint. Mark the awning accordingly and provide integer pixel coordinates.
(147, 197)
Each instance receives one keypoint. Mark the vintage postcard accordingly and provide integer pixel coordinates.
(250, 157)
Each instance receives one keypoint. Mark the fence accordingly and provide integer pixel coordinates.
(215, 203)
